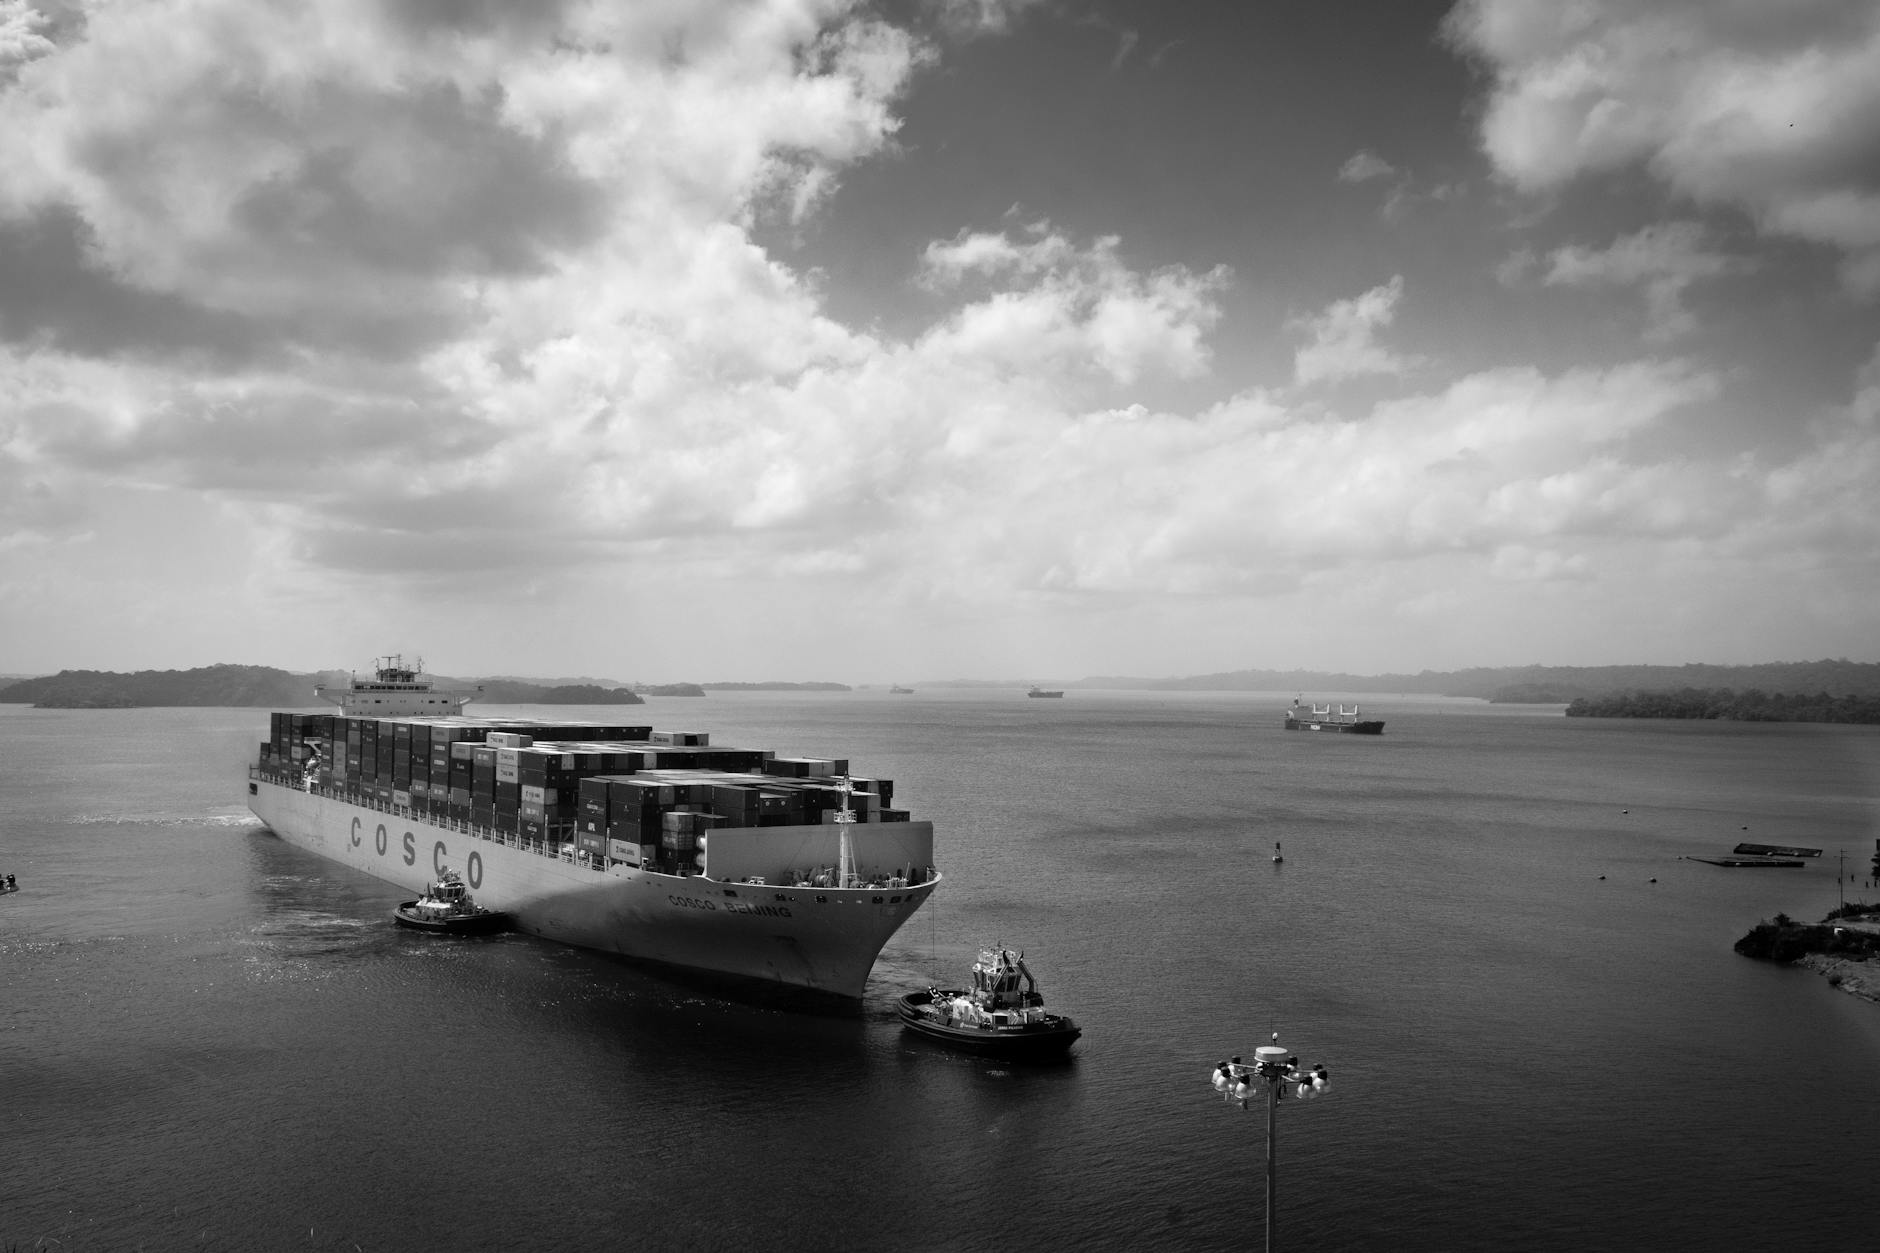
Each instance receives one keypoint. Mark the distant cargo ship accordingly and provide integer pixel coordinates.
(1312, 718)
(1044, 692)
(651, 844)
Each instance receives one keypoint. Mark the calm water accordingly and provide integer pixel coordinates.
(211, 1040)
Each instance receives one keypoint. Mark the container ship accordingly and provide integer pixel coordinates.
(1350, 721)
(656, 845)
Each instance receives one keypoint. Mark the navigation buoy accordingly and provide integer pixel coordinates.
(1276, 852)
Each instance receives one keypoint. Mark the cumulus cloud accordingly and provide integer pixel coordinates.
(21, 37)
(981, 17)
(1344, 338)
(429, 300)
(1662, 260)
(1057, 306)
(1364, 165)
(1772, 108)
(345, 162)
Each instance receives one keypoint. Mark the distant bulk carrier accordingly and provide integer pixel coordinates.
(1311, 718)
(651, 844)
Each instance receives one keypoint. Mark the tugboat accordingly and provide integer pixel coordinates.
(995, 1016)
(446, 909)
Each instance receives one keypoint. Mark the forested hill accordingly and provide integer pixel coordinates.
(1536, 684)
(251, 686)
(208, 685)
(518, 692)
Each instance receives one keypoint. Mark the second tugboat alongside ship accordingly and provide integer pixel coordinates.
(994, 1016)
(446, 909)
(652, 844)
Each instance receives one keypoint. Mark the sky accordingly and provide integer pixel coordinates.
(807, 339)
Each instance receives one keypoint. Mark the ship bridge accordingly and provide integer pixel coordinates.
(395, 691)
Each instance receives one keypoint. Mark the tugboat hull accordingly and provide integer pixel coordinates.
(1047, 1038)
(486, 923)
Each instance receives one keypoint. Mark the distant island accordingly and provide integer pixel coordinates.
(208, 685)
(774, 685)
(258, 686)
(517, 692)
(1546, 685)
(1750, 706)
(671, 689)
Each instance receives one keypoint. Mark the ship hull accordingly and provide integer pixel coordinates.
(821, 940)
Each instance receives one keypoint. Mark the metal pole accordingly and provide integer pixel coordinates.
(1272, 1155)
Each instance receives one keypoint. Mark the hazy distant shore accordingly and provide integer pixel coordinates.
(1842, 691)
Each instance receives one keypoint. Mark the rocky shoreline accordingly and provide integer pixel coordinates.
(1855, 975)
(1844, 948)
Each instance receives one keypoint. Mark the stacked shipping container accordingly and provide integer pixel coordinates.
(617, 793)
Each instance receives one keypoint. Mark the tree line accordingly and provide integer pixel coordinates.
(1753, 705)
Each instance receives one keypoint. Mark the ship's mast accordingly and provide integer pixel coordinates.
(845, 821)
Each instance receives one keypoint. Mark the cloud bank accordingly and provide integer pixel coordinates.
(449, 307)
(1772, 109)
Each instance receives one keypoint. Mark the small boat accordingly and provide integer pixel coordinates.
(446, 909)
(994, 1016)
(8, 884)
(1047, 693)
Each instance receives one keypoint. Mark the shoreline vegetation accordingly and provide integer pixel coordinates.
(1751, 706)
(1844, 947)
(1844, 691)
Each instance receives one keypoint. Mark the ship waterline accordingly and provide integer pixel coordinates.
(820, 939)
